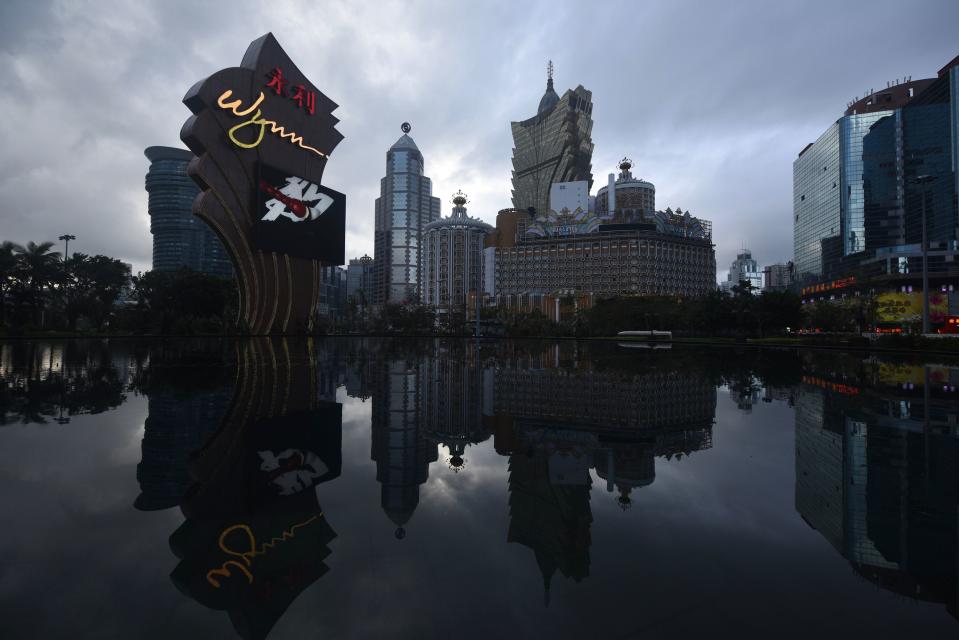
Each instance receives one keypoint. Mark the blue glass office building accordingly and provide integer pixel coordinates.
(862, 191)
(829, 213)
(405, 206)
(918, 140)
(180, 239)
(828, 203)
(816, 219)
(929, 146)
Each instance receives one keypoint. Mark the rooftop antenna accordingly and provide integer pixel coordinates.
(549, 72)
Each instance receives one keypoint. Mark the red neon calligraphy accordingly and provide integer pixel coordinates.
(277, 82)
(305, 99)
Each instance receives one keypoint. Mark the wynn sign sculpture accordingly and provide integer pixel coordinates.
(262, 134)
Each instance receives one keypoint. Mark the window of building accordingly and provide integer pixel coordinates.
(399, 160)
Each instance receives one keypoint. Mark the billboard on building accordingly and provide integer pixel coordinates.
(907, 307)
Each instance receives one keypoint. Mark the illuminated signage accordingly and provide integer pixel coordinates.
(250, 549)
(565, 223)
(303, 97)
(262, 134)
(907, 307)
(822, 383)
(258, 121)
(297, 217)
(830, 286)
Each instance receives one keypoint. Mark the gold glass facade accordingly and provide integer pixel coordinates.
(553, 146)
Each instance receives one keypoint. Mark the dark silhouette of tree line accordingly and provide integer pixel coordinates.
(40, 291)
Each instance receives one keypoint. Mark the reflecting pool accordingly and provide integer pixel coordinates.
(375, 488)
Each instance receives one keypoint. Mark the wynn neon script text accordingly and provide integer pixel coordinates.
(257, 120)
(247, 555)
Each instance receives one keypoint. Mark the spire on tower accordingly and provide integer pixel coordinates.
(550, 98)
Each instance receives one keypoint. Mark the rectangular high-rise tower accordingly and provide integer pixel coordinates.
(404, 207)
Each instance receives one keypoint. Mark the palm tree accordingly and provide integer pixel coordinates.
(39, 268)
(8, 272)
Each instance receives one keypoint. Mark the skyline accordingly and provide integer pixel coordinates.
(718, 140)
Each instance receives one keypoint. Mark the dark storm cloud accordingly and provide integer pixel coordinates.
(712, 100)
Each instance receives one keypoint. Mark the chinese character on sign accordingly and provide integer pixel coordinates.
(276, 81)
(305, 99)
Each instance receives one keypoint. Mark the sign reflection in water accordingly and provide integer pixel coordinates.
(240, 435)
(255, 535)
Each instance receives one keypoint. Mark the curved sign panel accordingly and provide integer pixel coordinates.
(262, 134)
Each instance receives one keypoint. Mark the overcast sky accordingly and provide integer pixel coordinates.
(713, 101)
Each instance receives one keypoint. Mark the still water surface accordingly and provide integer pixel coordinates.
(374, 489)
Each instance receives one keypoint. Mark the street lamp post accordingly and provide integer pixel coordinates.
(924, 180)
(66, 255)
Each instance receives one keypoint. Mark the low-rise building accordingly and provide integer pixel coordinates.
(359, 280)
(744, 269)
(778, 277)
(577, 256)
(332, 294)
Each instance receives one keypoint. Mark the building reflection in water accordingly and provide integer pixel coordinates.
(188, 389)
(552, 413)
(876, 452)
(399, 447)
(557, 415)
(877, 472)
(456, 398)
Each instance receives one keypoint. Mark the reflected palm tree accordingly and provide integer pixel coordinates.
(40, 381)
